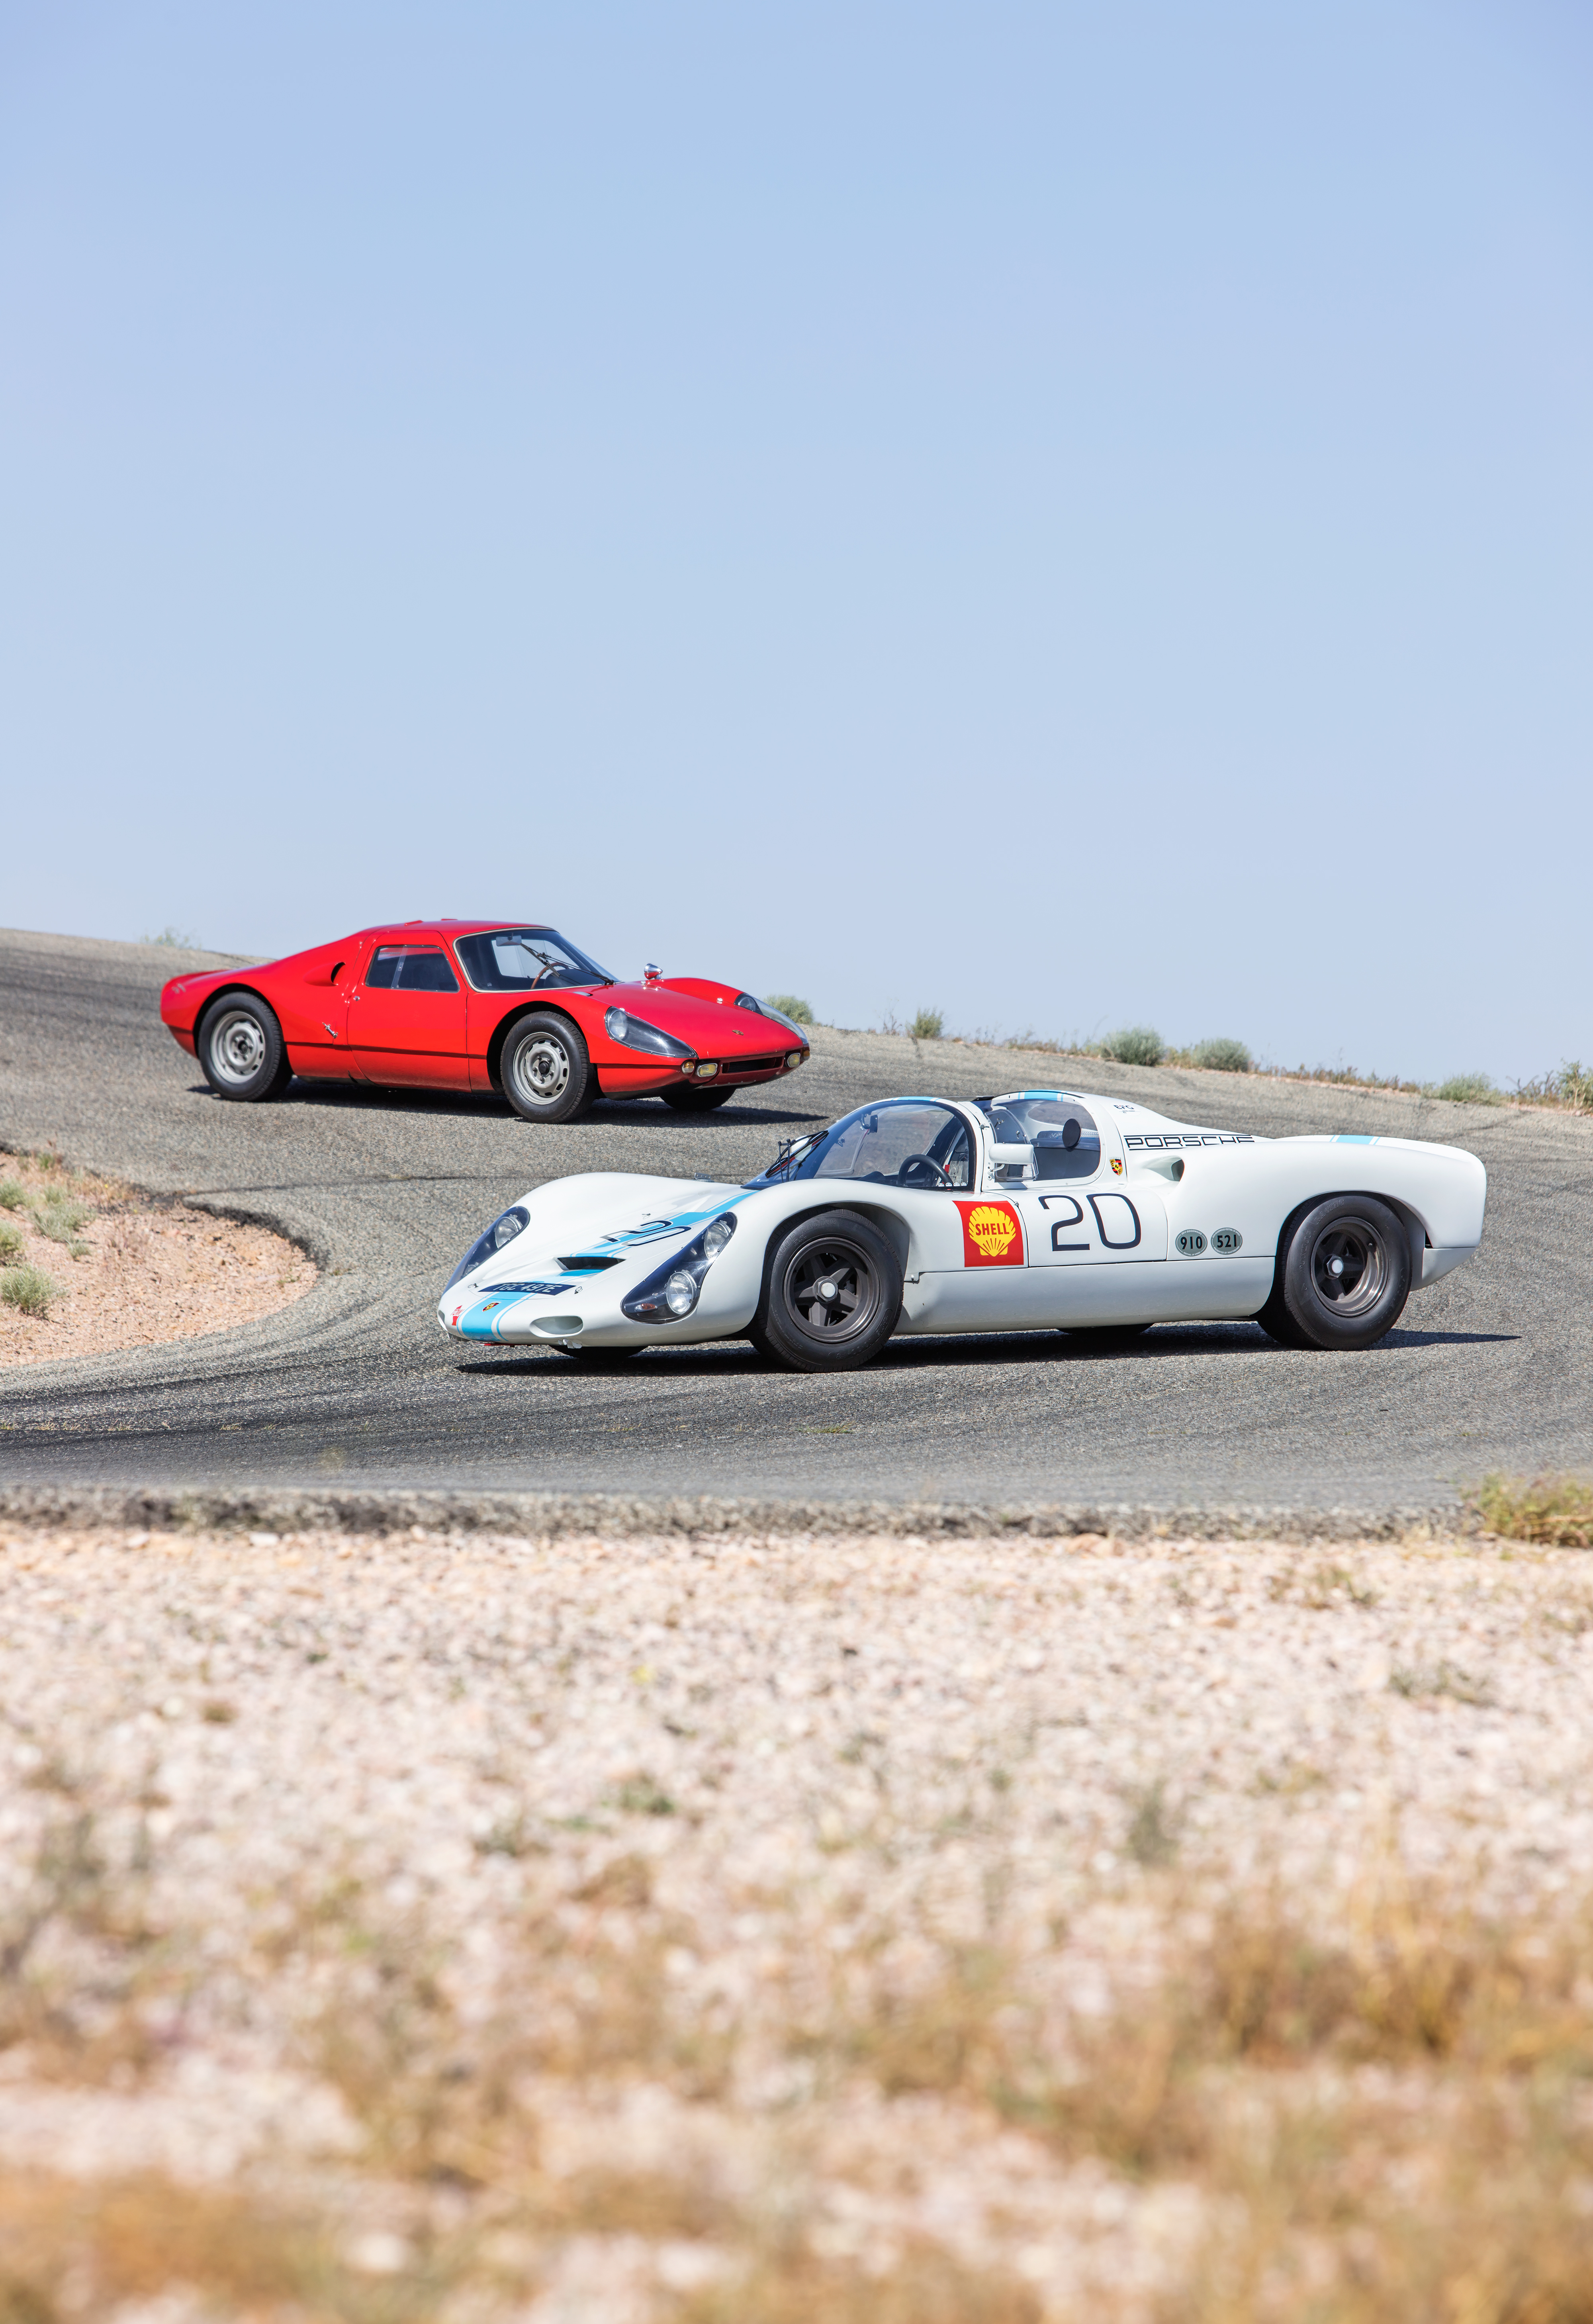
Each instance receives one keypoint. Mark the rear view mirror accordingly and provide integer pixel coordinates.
(1011, 1161)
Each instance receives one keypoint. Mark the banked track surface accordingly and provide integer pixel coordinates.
(355, 1387)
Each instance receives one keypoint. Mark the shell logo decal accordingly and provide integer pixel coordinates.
(991, 1235)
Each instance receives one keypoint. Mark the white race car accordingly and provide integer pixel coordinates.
(1037, 1211)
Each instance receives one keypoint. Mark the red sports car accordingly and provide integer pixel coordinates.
(484, 1005)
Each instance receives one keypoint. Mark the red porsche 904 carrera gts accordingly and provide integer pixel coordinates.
(484, 1005)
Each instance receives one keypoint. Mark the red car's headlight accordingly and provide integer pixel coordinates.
(633, 1033)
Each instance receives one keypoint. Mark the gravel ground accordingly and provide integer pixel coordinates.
(1492, 1368)
(575, 1929)
(127, 1272)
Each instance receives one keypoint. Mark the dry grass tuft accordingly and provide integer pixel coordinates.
(29, 1290)
(1555, 1510)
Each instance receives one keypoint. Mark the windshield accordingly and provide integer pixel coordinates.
(1064, 1138)
(514, 959)
(909, 1141)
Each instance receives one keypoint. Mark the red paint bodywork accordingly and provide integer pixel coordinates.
(337, 1028)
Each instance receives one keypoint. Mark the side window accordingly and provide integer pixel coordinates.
(1066, 1141)
(411, 968)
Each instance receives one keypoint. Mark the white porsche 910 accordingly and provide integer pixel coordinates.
(1041, 1209)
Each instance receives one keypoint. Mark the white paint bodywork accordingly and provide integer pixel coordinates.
(1094, 1269)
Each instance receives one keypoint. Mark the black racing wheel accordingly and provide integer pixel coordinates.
(686, 1099)
(241, 1050)
(1342, 1277)
(545, 1069)
(832, 1296)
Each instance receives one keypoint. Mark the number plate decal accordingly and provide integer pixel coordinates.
(1226, 1239)
(1190, 1243)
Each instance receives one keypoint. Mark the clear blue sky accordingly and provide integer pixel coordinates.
(1072, 514)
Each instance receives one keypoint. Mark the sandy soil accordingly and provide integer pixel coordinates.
(129, 1271)
(760, 1930)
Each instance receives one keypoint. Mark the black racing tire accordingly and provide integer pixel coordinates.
(1343, 1275)
(241, 1050)
(832, 1295)
(544, 1068)
(1106, 1335)
(686, 1099)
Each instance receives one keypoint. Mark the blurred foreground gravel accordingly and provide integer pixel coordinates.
(587, 1930)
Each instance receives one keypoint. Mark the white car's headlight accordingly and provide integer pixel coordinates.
(672, 1290)
(501, 1230)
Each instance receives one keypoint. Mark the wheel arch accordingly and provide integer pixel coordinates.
(238, 991)
(517, 1016)
(1417, 1239)
(879, 1215)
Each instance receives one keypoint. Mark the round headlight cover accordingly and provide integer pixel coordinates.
(717, 1233)
(680, 1293)
(615, 1024)
(487, 1245)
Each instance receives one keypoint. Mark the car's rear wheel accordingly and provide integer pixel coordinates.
(832, 1296)
(686, 1099)
(545, 1069)
(241, 1050)
(1343, 1275)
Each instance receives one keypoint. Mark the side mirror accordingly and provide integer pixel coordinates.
(1011, 1162)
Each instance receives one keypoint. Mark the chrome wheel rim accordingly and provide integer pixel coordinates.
(830, 1291)
(236, 1048)
(540, 1069)
(1349, 1268)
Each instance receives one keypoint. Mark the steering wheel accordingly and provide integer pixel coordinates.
(906, 1176)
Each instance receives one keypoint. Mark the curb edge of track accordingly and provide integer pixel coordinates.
(552, 1515)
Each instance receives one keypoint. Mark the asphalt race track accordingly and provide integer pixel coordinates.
(356, 1384)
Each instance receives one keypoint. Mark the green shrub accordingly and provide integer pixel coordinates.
(789, 1006)
(1135, 1045)
(12, 1194)
(1222, 1057)
(10, 1240)
(29, 1288)
(1467, 1089)
(928, 1025)
(61, 1219)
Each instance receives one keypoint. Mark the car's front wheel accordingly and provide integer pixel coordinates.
(1343, 1275)
(545, 1069)
(832, 1296)
(240, 1051)
(686, 1099)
